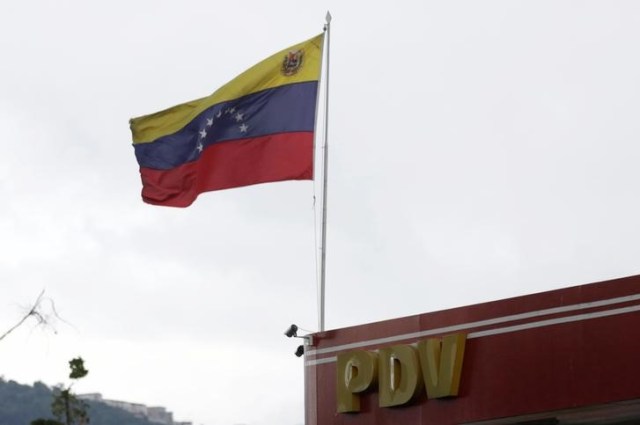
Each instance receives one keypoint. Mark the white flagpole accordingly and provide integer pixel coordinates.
(323, 249)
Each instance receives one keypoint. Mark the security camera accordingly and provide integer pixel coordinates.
(291, 331)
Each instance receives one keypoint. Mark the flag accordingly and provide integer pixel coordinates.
(257, 128)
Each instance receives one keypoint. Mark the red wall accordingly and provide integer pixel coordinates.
(584, 354)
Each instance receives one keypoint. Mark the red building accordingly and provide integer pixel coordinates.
(569, 356)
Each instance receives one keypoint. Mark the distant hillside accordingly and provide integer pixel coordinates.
(20, 404)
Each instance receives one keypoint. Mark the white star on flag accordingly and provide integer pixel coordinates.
(239, 117)
(209, 122)
(203, 133)
(243, 128)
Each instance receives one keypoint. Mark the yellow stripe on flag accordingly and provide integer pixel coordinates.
(264, 75)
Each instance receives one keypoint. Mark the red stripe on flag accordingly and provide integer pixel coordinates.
(244, 162)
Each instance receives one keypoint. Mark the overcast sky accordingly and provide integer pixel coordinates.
(479, 150)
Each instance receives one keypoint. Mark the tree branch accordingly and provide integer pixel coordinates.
(34, 311)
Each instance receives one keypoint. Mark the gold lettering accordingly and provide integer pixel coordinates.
(442, 364)
(357, 372)
(399, 375)
(401, 371)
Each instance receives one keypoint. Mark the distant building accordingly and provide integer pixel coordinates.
(155, 414)
(136, 409)
(91, 396)
(160, 415)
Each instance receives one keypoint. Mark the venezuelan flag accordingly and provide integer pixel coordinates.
(257, 128)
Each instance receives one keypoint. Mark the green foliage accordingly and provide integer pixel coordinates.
(66, 407)
(77, 368)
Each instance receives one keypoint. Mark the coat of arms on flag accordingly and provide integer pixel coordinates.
(292, 62)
